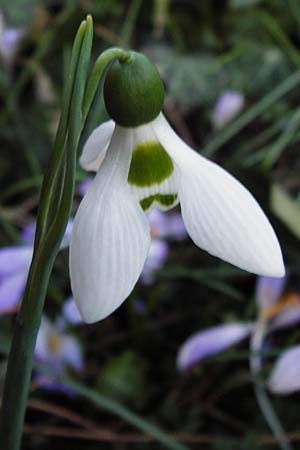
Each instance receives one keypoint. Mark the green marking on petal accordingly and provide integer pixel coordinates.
(163, 199)
(150, 164)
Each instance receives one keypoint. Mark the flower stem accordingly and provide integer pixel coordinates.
(260, 392)
(48, 238)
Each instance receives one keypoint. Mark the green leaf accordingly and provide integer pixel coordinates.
(285, 209)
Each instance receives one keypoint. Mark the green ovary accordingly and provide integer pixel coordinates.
(163, 199)
(150, 165)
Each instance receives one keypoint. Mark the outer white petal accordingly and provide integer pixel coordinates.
(220, 214)
(110, 238)
(285, 377)
(95, 148)
(211, 341)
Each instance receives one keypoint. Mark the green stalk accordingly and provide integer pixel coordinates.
(92, 109)
(259, 388)
(49, 184)
(20, 359)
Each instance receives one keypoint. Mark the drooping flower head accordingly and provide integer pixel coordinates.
(141, 163)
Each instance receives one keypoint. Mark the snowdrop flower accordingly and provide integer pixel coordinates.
(57, 349)
(141, 163)
(228, 106)
(9, 40)
(14, 266)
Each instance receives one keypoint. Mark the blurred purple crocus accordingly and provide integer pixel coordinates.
(14, 266)
(57, 349)
(285, 376)
(227, 107)
(279, 311)
(163, 226)
(9, 40)
(70, 312)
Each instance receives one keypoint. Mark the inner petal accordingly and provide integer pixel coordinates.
(153, 176)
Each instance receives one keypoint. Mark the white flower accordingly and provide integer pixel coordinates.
(146, 166)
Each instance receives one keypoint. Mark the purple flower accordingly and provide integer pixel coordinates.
(163, 226)
(228, 106)
(14, 266)
(211, 341)
(279, 311)
(9, 40)
(70, 312)
(58, 350)
(166, 225)
(157, 256)
(139, 307)
(268, 291)
(84, 186)
(285, 376)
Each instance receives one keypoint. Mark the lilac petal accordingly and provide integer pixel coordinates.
(166, 225)
(157, 220)
(139, 306)
(27, 234)
(228, 106)
(211, 341)
(84, 186)
(70, 312)
(285, 377)
(157, 256)
(176, 227)
(268, 291)
(11, 291)
(42, 351)
(71, 353)
(56, 348)
(14, 259)
(67, 236)
(287, 317)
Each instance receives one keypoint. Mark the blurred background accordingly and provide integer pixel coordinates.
(232, 78)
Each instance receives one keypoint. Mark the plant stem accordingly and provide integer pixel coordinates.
(20, 359)
(260, 392)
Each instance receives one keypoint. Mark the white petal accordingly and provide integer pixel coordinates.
(111, 236)
(220, 214)
(163, 194)
(211, 341)
(285, 377)
(95, 148)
